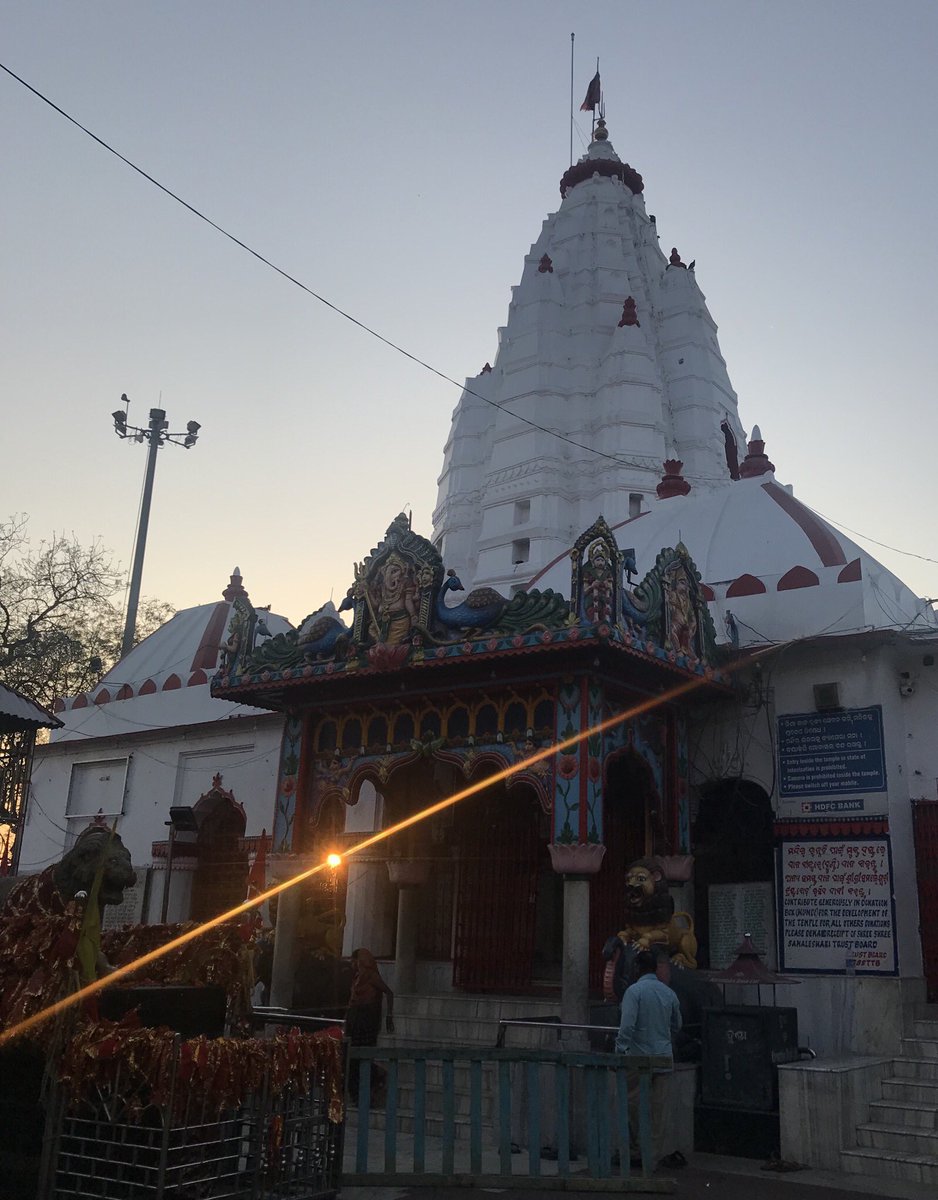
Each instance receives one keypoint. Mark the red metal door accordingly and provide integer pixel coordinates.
(926, 863)
(499, 848)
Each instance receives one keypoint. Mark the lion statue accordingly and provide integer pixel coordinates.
(650, 920)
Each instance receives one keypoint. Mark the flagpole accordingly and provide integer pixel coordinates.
(572, 38)
(593, 126)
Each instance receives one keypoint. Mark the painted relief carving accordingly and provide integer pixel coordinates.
(680, 611)
(240, 641)
(669, 608)
(391, 596)
(597, 570)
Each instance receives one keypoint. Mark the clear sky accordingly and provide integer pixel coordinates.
(398, 158)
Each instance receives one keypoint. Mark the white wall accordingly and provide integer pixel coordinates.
(163, 768)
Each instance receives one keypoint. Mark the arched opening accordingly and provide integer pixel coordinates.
(732, 840)
(629, 804)
(508, 911)
(426, 845)
(220, 880)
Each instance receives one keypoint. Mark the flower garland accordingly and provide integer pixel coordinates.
(217, 957)
(210, 1075)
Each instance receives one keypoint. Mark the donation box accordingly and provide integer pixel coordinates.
(742, 1048)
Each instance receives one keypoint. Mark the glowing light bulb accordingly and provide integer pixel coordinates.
(333, 860)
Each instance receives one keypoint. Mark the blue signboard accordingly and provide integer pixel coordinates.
(831, 753)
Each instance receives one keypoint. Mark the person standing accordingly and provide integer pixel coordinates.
(650, 1017)
(363, 1018)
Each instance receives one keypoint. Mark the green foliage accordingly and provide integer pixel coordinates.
(61, 612)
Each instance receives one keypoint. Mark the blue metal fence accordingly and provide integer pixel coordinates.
(558, 1115)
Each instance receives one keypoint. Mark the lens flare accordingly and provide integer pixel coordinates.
(91, 989)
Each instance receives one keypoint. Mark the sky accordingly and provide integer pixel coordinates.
(398, 159)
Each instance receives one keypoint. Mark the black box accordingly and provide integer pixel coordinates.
(742, 1048)
(187, 1010)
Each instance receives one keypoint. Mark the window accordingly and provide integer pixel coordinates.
(195, 770)
(367, 813)
(520, 551)
(94, 787)
(522, 512)
(635, 504)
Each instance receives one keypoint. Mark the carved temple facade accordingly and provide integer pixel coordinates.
(557, 728)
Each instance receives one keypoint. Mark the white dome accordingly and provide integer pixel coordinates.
(165, 679)
(780, 569)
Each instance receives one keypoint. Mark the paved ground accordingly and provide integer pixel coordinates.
(707, 1177)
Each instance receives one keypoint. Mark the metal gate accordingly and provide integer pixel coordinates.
(926, 863)
(499, 850)
(500, 1118)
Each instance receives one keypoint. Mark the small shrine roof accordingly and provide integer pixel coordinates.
(19, 713)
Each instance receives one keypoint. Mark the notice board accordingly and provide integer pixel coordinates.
(836, 913)
(831, 753)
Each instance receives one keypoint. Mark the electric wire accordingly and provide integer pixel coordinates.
(885, 545)
(649, 465)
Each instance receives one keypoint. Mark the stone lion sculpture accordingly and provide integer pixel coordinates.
(51, 890)
(49, 894)
(650, 920)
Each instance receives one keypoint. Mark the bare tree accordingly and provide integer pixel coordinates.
(60, 612)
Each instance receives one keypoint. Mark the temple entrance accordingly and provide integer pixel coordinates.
(501, 861)
(630, 800)
(732, 840)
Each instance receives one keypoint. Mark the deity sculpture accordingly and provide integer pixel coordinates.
(393, 601)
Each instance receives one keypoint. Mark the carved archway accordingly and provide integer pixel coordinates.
(220, 880)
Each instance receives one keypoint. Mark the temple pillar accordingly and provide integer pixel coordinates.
(408, 875)
(578, 864)
(574, 994)
(283, 867)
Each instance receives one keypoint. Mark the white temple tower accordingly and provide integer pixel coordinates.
(610, 345)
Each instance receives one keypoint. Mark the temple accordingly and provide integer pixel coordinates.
(624, 639)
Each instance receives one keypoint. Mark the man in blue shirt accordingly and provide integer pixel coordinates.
(651, 1016)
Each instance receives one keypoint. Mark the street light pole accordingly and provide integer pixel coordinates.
(156, 435)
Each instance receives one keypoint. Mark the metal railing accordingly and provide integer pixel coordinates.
(124, 1146)
(512, 1115)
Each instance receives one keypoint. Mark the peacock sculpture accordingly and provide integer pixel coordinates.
(480, 608)
(484, 608)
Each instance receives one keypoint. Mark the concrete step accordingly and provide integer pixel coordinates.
(461, 1005)
(919, 1048)
(432, 1126)
(904, 1114)
(905, 1140)
(926, 1028)
(464, 1031)
(434, 1102)
(461, 1075)
(916, 1068)
(885, 1164)
(910, 1091)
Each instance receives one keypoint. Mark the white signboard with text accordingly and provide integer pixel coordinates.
(736, 909)
(835, 906)
(130, 911)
